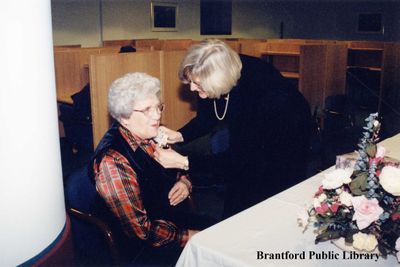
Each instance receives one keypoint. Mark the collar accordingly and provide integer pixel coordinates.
(133, 140)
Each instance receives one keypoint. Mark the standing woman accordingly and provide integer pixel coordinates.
(269, 123)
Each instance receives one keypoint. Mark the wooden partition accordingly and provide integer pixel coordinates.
(148, 44)
(365, 54)
(390, 76)
(180, 102)
(319, 70)
(164, 65)
(234, 44)
(176, 44)
(253, 49)
(322, 72)
(72, 69)
(118, 42)
(382, 60)
(64, 47)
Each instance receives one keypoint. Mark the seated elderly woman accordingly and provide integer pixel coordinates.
(150, 202)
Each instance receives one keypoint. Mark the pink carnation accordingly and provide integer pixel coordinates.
(320, 191)
(335, 207)
(366, 211)
(395, 216)
(324, 208)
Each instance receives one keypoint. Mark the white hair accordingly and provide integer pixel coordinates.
(129, 88)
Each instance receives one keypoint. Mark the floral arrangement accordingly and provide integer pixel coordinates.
(361, 202)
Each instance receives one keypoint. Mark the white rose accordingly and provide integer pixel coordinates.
(337, 178)
(398, 249)
(345, 199)
(339, 191)
(365, 242)
(390, 180)
(321, 197)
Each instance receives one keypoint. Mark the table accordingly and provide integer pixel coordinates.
(271, 227)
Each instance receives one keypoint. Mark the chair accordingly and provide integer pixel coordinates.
(339, 134)
(338, 114)
(97, 239)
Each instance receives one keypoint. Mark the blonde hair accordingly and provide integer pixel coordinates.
(214, 64)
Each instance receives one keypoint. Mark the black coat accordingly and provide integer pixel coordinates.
(269, 124)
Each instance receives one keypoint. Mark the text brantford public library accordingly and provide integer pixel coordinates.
(313, 255)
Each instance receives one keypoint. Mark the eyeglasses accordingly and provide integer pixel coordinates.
(148, 111)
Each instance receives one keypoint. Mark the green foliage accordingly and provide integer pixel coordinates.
(359, 184)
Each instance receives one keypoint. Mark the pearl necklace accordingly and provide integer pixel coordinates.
(225, 109)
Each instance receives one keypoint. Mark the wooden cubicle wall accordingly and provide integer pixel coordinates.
(322, 72)
(390, 76)
(161, 64)
(118, 42)
(72, 69)
(319, 70)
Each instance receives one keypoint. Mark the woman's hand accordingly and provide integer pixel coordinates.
(173, 136)
(169, 158)
(178, 193)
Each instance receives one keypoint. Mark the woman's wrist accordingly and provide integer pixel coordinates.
(184, 179)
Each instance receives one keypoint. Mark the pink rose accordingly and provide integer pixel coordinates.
(366, 211)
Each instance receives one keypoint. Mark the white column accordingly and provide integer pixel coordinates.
(32, 212)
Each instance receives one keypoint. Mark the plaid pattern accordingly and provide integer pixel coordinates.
(117, 183)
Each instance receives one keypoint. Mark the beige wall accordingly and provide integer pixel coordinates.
(78, 21)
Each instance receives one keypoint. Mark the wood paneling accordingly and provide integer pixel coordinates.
(104, 69)
(320, 67)
(176, 44)
(253, 49)
(148, 44)
(235, 45)
(390, 77)
(72, 69)
(179, 100)
(118, 42)
(322, 72)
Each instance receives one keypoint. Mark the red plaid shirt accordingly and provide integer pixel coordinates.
(117, 183)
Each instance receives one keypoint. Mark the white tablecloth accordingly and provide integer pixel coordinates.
(271, 227)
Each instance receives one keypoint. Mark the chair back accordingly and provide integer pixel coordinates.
(98, 236)
(81, 196)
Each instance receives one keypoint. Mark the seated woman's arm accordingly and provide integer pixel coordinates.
(117, 183)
